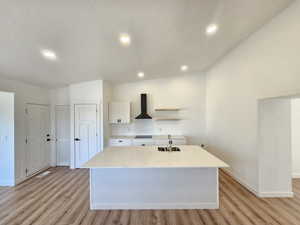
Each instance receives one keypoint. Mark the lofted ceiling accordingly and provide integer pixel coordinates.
(85, 36)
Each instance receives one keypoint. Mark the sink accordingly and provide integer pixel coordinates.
(166, 149)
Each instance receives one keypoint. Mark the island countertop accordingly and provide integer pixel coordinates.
(190, 156)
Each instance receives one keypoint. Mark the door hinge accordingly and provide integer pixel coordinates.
(26, 111)
(26, 171)
(26, 141)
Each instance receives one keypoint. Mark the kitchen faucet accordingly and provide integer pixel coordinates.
(169, 149)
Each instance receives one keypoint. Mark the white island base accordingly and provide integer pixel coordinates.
(167, 188)
(143, 178)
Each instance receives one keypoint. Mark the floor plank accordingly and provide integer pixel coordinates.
(63, 198)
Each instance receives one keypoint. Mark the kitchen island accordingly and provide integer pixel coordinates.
(145, 178)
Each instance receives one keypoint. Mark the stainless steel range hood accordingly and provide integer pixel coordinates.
(144, 114)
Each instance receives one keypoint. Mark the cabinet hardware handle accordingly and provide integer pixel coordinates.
(76, 139)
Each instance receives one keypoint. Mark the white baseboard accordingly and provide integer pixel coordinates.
(116, 206)
(63, 164)
(296, 175)
(241, 181)
(276, 194)
(22, 179)
(259, 194)
(7, 183)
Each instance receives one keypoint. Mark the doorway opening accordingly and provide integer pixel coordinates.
(278, 145)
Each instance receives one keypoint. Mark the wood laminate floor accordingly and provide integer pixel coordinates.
(63, 198)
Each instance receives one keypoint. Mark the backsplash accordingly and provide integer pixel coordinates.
(148, 127)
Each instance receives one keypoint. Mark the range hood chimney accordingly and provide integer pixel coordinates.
(144, 114)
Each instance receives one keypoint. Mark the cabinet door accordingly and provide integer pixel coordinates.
(143, 142)
(162, 142)
(120, 142)
(119, 112)
(179, 142)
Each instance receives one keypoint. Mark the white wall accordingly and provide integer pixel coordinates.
(274, 148)
(86, 92)
(24, 93)
(266, 64)
(7, 150)
(296, 137)
(186, 92)
(60, 96)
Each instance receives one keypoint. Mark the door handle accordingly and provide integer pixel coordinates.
(76, 139)
(48, 139)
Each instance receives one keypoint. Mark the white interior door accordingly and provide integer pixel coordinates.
(38, 138)
(86, 142)
(62, 134)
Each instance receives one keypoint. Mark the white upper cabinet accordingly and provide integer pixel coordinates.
(119, 112)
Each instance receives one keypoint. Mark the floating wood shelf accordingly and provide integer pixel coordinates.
(167, 109)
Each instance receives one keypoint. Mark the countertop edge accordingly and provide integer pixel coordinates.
(159, 167)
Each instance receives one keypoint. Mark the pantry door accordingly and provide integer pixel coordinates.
(62, 135)
(86, 142)
(38, 138)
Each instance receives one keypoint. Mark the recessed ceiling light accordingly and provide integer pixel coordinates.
(212, 29)
(184, 68)
(125, 39)
(49, 54)
(141, 74)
